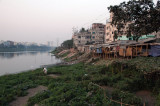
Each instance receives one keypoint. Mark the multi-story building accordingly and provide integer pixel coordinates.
(110, 30)
(109, 33)
(81, 38)
(94, 35)
(98, 33)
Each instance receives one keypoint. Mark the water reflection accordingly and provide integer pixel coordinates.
(8, 55)
(13, 62)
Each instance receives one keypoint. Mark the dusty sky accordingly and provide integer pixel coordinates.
(49, 20)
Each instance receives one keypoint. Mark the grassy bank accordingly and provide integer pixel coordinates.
(133, 75)
(87, 84)
(78, 84)
(73, 87)
(12, 86)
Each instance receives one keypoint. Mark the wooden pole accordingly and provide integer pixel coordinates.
(121, 101)
(132, 52)
(146, 50)
(136, 50)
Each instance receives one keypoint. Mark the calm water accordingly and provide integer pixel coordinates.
(14, 62)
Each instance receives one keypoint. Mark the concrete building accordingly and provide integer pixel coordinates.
(98, 33)
(8, 43)
(158, 34)
(1, 41)
(109, 33)
(110, 29)
(95, 35)
(81, 38)
(50, 43)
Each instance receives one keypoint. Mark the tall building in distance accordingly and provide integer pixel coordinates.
(50, 43)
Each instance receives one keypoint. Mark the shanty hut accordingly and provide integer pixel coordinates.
(154, 50)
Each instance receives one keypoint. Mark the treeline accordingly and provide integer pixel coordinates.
(23, 48)
(67, 44)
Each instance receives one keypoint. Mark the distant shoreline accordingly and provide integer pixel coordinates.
(24, 51)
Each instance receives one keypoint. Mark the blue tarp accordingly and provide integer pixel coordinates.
(99, 50)
(155, 51)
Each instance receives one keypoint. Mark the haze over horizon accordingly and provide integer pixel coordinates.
(49, 20)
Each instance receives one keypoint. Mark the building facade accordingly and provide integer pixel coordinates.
(94, 35)
(109, 31)
(81, 38)
(98, 33)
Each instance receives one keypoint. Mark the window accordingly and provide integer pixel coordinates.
(79, 41)
(93, 32)
(93, 37)
(79, 36)
(87, 37)
(101, 33)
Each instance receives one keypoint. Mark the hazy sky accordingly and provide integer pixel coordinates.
(48, 20)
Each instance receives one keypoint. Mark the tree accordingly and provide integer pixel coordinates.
(139, 17)
(82, 30)
(67, 44)
(158, 4)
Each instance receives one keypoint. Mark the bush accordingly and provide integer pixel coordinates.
(158, 100)
(126, 97)
(38, 98)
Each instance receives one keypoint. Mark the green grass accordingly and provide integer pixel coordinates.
(143, 64)
(17, 84)
(74, 86)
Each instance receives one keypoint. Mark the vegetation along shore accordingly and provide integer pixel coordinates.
(84, 81)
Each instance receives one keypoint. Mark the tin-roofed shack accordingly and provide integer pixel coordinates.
(127, 49)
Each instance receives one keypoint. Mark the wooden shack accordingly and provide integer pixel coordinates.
(126, 49)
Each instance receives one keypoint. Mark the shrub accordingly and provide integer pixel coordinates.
(126, 97)
(38, 98)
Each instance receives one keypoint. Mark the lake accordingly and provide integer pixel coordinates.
(15, 62)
